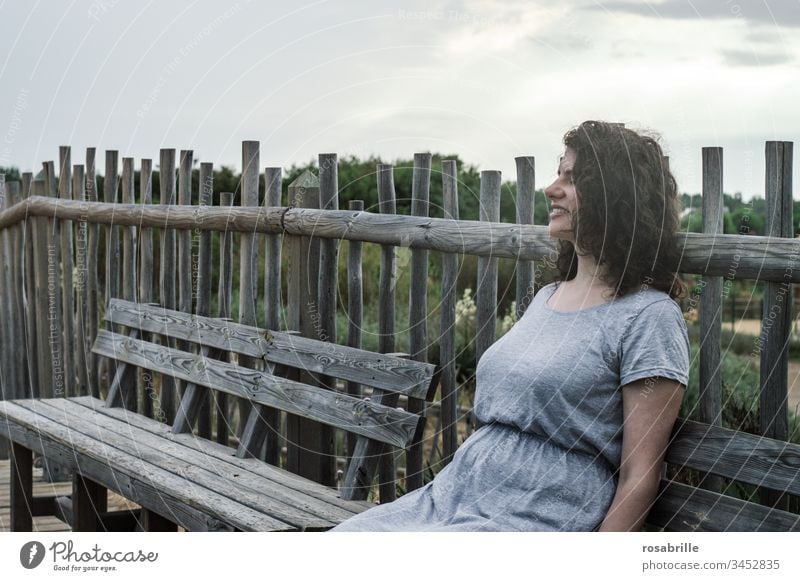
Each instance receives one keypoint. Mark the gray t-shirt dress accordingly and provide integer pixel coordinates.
(549, 397)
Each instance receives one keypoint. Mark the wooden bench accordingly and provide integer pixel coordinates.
(181, 479)
(756, 460)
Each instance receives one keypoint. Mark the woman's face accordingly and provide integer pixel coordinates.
(563, 199)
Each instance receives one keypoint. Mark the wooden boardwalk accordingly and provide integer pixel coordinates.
(42, 488)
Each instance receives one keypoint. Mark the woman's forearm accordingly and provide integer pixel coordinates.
(631, 504)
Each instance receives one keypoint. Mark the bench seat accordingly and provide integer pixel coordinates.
(199, 484)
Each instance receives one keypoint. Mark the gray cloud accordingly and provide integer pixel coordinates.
(741, 58)
(775, 12)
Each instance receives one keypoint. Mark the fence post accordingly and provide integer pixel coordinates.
(526, 186)
(355, 309)
(327, 305)
(167, 275)
(776, 321)
(204, 269)
(146, 272)
(93, 289)
(303, 437)
(486, 291)
(448, 415)
(711, 305)
(418, 308)
(224, 296)
(29, 296)
(7, 380)
(110, 187)
(67, 264)
(83, 342)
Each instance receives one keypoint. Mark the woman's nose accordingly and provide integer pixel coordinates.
(550, 191)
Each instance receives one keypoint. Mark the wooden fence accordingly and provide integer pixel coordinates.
(57, 231)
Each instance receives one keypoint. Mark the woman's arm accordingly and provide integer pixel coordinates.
(650, 407)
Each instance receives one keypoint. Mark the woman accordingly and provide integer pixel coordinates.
(578, 399)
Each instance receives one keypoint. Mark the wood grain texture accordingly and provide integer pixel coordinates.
(764, 258)
(418, 309)
(777, 307)
(737, 455)
(526, 187)
(348, 363)
(682, 508)
(198, 471)
(382, 423)
(220, 452)
(711, 304)
(166, 493)
(448, 417)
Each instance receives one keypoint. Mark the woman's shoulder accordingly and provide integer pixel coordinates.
(650, 303)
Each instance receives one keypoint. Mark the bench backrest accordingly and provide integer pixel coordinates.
(371, 419)
(743, 457)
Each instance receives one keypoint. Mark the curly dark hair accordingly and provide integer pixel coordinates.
(628, 209)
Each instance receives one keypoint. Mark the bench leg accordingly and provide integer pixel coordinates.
(21, 488)
(154, 522)
(89, 500)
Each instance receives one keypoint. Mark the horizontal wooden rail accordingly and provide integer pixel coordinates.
(728, 255)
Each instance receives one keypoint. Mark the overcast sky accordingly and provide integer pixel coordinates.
(488, 80)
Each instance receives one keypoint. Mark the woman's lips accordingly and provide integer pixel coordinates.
(556, 213)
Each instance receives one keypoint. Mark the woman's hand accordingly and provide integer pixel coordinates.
(650, 407)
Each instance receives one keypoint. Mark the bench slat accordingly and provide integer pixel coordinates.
(412, 378)
(220, 452)
(681, 508)
(744, 457)
(390, 425)
(130, 475)
(243, 487)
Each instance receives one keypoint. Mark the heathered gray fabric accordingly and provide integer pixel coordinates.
(550, 401)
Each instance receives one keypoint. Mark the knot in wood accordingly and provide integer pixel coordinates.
(199, 364)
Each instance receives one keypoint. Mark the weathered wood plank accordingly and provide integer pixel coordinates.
(682, 508)
(275, 497)
(69, 354)
(54, 284)
(92, 282)
(198, 471)
(304, 440)
(86, 495)
(84, 361)
(355, 309)
(8, 369)
(248, 277)
(224, 419)
(204, 276)
(526, 187)
(44, 387)
(146, 274)
(219, 452)
(29, 295)
(112, 270)
(737, 455)
(372, 420)
(711, 305)
(326, 301)
(155, 488)
(448, 416)
(411, 378)
(777, 307)
(486, 285)
(764, 257)
(418, 310)
(168, 403)
(21, 487)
